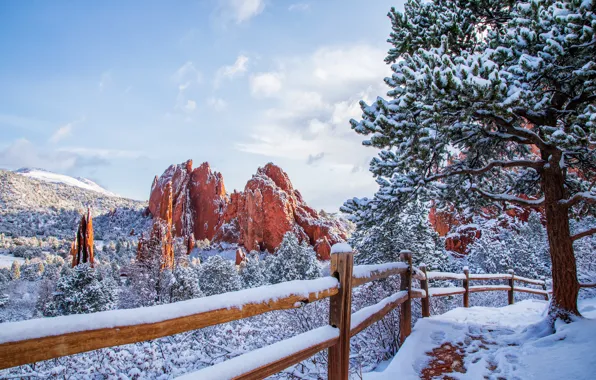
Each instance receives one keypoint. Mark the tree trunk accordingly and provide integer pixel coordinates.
(565, 285)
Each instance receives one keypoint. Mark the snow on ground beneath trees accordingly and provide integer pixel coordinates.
(37, 328)
(512, 342)
(6, 260)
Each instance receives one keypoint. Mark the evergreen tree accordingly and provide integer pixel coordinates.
(410, 229)
(252, 271)
(491, 102)
(81, 290)
(187, 284)
(515, 245)
(15, 270)
(218, 275)
(292, 261)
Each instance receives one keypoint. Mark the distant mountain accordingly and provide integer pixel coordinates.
(47, 176)
(36, 202)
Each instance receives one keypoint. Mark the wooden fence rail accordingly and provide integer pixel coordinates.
(24, 342)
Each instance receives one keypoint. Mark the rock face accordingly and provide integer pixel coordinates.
(81, 248)
(159, 245)
(256, 218)
(198, 196)
(459, 234)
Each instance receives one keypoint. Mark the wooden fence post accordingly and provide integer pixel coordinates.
(425, 302)
(544, 287)
(511, 297)
(340, 313)
(405, 319)
(467, 287)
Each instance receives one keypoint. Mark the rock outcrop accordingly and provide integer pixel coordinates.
(159, 245)
(81, 248)
(458, 231)
(256, 218)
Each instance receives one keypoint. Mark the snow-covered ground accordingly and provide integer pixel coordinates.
(513, 342)
(6, 260)
(47, 176)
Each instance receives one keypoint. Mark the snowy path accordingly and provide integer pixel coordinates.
(512, 342)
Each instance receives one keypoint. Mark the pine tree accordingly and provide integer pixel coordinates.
(187, 284)
(253, 271)
(15, 270)
(516, 245)
(491, 102)
(218, 275)
(292, 261)
(382, 242)
(81, 290)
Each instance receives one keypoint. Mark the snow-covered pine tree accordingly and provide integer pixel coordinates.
(15, 270)
(381, 239)
(252, 271)
(187, 284)
(491, 102)
(81, 290)
(522, 246)
(218, 275)
(292, 261)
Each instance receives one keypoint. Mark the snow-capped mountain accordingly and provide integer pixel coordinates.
(35, 202)
(47, 176)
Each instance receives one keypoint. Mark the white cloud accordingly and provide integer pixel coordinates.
(231, 71)
(217, 104)
(310, 113)
(64, 131)
(188, 73)
(243, 10)
(190, 105)
(299, 7)
(105, 80)
(265, 84)
(102, 153)
(23, 153)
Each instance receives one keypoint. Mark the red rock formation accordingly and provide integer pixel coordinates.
(207, 200)
(81, 248)
(240, 256)
(459, 235)
(161, 238)
(259, 217)
(256, 218)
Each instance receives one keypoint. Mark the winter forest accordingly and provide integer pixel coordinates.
(474, 255)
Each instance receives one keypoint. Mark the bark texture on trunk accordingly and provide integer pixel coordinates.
(564, 271)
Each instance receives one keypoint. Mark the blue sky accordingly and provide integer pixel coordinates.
(117, 91)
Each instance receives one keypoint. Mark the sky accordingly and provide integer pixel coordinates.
(118, 91)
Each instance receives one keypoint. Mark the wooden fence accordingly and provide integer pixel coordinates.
(23, 342)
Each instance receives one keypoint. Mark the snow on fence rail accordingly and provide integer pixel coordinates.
(40, 339)
(47, 338)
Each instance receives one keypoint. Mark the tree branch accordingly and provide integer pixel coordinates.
(585, 196)
(493, 164)
(589, 232)
(509, 198)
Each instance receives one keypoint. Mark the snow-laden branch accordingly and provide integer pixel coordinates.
(508, 198)
(580, 235)
(493, 164)
(586, 196)
(526, 136)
